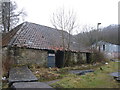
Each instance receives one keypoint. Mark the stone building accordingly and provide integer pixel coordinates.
(30, 43)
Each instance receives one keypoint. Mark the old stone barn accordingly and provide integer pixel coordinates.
(30, 43)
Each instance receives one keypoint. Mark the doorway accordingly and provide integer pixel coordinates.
(59, 56)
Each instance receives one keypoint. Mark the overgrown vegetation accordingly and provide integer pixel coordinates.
(97, 56)
(49, 74)
(45, 74)
(6, 62)
(98, 79)
(73, 81)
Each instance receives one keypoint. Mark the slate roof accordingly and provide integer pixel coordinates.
(102, 42)
(37, 36)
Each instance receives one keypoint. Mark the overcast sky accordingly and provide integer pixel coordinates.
(88, 12)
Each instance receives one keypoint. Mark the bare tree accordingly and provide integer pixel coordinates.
(65, 21)
(10, 16)
(88, 37)
(111, 34)
(90, 34)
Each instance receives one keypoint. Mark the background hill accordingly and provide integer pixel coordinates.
(109, 34)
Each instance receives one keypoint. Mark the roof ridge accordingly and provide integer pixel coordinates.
(39, 25)
(47, 27)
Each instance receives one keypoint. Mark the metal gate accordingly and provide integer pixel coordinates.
(51, 60)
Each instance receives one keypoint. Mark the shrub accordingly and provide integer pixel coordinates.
(97, 56)
(7, 62)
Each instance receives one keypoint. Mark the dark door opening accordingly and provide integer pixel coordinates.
(59, 56)
(103, 47)
(88, 57)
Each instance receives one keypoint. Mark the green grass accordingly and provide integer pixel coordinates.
(97, 79)
(49, 74)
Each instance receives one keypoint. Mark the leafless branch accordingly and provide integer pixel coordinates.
(65, 21)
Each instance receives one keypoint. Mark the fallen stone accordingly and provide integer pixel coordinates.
(29, 85)
(118, 79)
(21, 74)
(81, 72)
(115, 74)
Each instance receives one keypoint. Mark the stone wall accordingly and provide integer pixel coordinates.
(82, 58)
(76, 58)
(26, 56)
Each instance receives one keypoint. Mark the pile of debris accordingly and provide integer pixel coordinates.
(22, 77)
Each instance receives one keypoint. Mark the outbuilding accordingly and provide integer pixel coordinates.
(30, 43)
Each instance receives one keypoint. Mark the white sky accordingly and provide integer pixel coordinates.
(89, 12)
